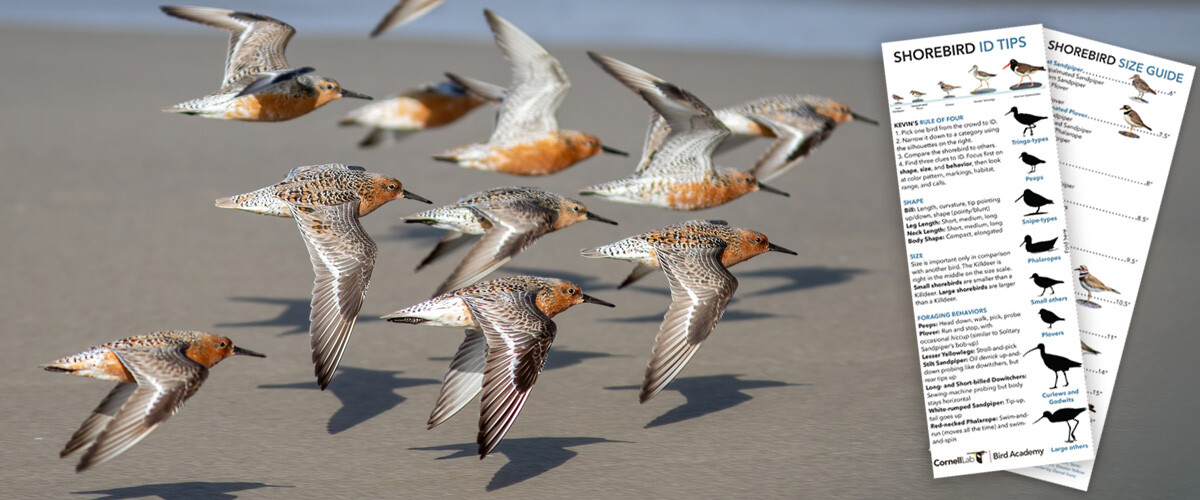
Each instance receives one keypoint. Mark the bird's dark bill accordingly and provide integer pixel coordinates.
(409, 195)
(592, 216)
(592, 300)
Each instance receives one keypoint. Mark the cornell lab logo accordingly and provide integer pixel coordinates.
(971, 457)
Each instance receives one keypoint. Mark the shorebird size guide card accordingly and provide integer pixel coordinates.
(983, 214)
(1117, 115)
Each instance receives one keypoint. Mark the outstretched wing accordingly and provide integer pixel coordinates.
(700, 289)
(342, 256)
(405, 11)
(463, 381)
(513, 230)
(518, 337)
(256, 42)
(538, 87)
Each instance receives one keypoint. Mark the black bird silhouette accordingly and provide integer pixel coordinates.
(1049, 317)
(1045, 283)
(1064, 415)
(1025, 119)
(1056, 363)
(1041, 246)
(1032, 161)
(1034, 200)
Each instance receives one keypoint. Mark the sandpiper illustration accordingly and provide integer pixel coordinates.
(917, 95)
(1134, 121)
(1092, 284)
(404, 12)
(1142, 88)
(1026, 119)
(327, 201)
(681, 175)
(155, 375)
(1045, 282)
(510, 219)
(1032, 161)
(947, 88)
(695, 260)
(258, 85)
(798, 123)
(983, 77)
(1049, 317)
(1038, 247)
(1087, 349)
(422, 107)
(526, 139)
(1024, 71)
(508, 336)
(1067, 415)
(1056, 363)
(899, 100)
(1034, 200)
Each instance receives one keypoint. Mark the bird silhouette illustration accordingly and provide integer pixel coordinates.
(1041, 246)
(1034, 200)
(1026, 119)
(1049, 317)
(1055, 363)
(1067, 415)
(1032, 161)
(1045, 283)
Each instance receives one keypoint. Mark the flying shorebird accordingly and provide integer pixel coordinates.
(327, 201)
(1032, 161)
(155, 375)
(946, 87)
(916, 95)
(1026, 119)
(982, 76)
(1092, 283)
(422, 107)
(1064, 415)
(510, 219)
(508, 335)
(526, 139)
(404, 12)
(1055, 363)
(258, 84)
(1049, 317)
(1142, 87)
(695, 257)
(798, 123)
(681, 175)
(1034, 200)
(1023, 70)
(1132, 118)
(1045, 283)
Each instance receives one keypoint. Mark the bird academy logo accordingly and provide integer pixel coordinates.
(973, 457)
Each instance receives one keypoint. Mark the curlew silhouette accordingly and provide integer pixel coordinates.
(1056, 363)
(1034, 200)
(1045, 283)
(1064, 415)
(1049, 317)
(1026, 119)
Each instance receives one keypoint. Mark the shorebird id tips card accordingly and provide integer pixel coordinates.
(1117, 114)
(985, 235)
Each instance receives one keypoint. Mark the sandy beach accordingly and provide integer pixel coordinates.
(809, 388)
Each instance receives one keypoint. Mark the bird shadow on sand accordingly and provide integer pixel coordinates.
(558, 358)
(800, 278)
(419, 234)
(527, 457)
(294, 315)
(706, 395)
(731, 314)
(191, 490)
(364, 393)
